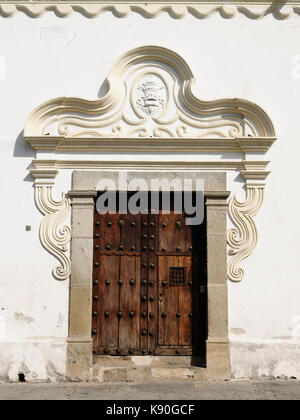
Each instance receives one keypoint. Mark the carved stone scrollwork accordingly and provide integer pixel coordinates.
(243, 239)
(150, 107)
(53, 235)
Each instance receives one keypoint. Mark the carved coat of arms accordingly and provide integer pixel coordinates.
(151, 95)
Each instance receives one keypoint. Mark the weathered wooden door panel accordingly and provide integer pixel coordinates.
(129, 307)
(149, 285)
(175, 301)
(116, 292)
(174, 235)
(118, 232)
(105, 297)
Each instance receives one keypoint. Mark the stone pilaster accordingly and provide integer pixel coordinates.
(217, 345)
(79, 354)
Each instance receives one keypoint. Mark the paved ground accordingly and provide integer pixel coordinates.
(233, 390)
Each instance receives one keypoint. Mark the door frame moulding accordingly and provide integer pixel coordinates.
(204, 145)
(176, 9)
(245, 167)
(223, 127)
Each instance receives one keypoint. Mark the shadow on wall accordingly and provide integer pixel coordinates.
(241, 180)
(103, 89)
(23, 150)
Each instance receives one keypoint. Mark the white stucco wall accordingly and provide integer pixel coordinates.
(51, 57)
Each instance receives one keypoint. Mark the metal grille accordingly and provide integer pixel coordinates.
(177, 276)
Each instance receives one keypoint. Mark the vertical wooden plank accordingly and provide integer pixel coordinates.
(129, 303)
(95, 303)
(109, 232)
(136, 302)
(124, 327)
(109, 301)
(179, 233)
(172, 305)
(185, 238)
(144, 233)
(162, 302)
(153, 273)
(168, 234)
(185, 304)
(128, 226)
(138, 220)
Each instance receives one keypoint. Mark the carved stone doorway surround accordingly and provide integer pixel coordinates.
(150, 107)
(80, 358)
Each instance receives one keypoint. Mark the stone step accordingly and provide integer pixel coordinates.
(148, 374)
(147, 361)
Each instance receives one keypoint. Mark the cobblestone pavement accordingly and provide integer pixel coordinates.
(232, 390)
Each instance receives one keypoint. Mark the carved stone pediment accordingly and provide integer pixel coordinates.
(150, 96)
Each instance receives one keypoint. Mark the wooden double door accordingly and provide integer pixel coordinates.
(149, 294)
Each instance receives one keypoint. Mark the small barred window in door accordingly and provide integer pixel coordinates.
(177, 276)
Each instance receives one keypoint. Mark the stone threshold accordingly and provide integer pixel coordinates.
(147, 369)
(147, 361)
(148, 374)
